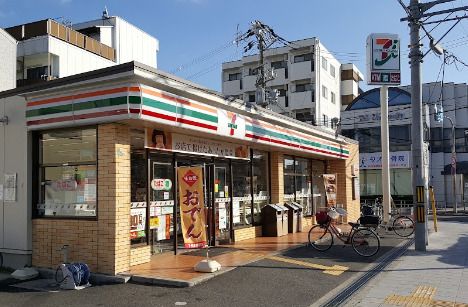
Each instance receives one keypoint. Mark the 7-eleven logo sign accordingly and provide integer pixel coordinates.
(388, 49)
(232, 124)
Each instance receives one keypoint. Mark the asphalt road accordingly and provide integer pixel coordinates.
(267, 282)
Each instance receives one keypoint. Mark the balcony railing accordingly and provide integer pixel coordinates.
(57, 30)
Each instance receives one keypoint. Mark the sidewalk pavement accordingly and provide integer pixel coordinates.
(437, 277)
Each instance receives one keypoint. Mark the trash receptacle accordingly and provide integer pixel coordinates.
(272, 221)
(284, 219)
(300, 215)
(292, 217)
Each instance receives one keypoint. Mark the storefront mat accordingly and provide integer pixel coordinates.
(213, 251)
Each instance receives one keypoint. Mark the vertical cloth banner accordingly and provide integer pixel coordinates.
(192, 206)
(329, 180)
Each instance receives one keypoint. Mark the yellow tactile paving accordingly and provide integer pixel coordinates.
(421, 296)
(331, 270)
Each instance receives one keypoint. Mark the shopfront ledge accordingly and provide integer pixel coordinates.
(95, 279)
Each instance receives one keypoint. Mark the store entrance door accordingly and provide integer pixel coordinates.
(218, 187)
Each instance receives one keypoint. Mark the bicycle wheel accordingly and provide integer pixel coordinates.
(365, 242)
(403, 226)
(59, 278)
(320, 238)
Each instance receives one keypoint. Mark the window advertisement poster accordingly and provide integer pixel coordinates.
(137, 222)
(222, 216)
(192, 209)
(329, 180)
(9, 188)
(235, 211)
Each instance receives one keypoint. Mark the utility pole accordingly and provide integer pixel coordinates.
(416, 11)
(453, 162)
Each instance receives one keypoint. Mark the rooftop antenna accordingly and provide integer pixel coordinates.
(105, 13)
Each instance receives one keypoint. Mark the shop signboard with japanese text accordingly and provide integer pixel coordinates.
(192, 208)
(398, 159)
(383, 59)
(329, 180)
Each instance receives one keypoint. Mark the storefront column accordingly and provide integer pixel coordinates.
(344, 169)
(276, 177)
(113, 198)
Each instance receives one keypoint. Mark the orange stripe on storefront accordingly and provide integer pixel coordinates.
(179, 100)
(85, 95)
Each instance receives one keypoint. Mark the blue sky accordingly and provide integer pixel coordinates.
(197, 35)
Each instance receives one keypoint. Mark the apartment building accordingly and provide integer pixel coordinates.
(311, 83)
(48, 49)
(7, 61)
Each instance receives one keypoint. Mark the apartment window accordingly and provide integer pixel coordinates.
(324, 92)
(332, 71)
(251, 98)
(324, 63)
(303, 57)
(278, 64)
(305, 116)
(325, 120)
(304, 87)
(253, 71)
(281, 92)
(37, 73)
(67, 173)
(332, 97)
(235, 76)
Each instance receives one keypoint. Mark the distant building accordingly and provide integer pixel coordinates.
(361, 121)
(7, 61)
(48, 50)
(312, 83)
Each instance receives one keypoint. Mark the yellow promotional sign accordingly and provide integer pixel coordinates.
(192, 211)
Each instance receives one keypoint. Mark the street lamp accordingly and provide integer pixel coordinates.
(454, 165)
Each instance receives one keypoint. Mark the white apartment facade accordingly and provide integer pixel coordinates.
(7, 61)
(312, 84)
(48, 50)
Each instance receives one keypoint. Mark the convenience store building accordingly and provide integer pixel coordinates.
(90, 161)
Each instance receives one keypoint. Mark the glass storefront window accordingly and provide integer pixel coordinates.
(242, 199)
(289, 175)
(139, 188)
(303, 185)
(67, 173)
(260, 182)
(318, 188)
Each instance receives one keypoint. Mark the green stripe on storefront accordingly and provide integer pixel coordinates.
(267, 132)
(179, 110)
(81, 106)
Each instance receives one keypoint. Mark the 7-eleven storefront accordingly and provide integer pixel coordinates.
(106, 153)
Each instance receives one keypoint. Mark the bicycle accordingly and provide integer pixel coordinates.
(402, 225)
(365, 241)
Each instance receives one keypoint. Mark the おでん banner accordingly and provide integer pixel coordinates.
(329, 180)
(192, 211)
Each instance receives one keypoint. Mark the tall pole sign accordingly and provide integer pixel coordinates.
(383, 68)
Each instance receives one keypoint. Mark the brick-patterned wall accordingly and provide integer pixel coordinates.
(277, 178)
(49, 235)
(343, 169)
(113, 198)
(308, 222)
(139, 255)
(247, 233)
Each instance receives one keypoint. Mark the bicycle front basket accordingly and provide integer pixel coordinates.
(321, 217)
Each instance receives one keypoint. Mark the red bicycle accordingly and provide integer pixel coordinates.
(364, 240)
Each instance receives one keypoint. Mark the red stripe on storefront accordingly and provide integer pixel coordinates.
(193, 123)
(292, 145)
(179, 120)
(76, 117)
(159, 115)
(135, 111)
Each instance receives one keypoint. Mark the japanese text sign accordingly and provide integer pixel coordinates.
(192, 211)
